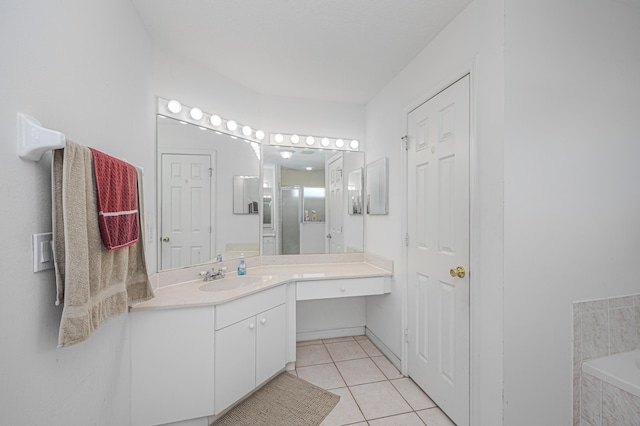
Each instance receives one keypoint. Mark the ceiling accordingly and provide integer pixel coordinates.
(332, 50)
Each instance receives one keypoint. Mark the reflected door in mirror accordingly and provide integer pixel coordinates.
(186, 210)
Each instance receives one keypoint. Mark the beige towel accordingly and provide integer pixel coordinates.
(94, 283)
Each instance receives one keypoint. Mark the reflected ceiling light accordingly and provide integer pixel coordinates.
(295, 139)
(196, 113)
(286, 154)
(174, 106)
(279, 138)
(310, 140)
(339, 143)
(215, 120)
(232, 125)
(246, 130)
(354, 144)
(324, 142)
(309, 168)
(259, 135)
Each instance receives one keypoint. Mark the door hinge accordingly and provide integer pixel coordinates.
(406, 335)
(406, 240)
(405, 141)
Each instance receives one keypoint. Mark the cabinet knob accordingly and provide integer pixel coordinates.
(342, 289)
(263, 321)
(251, 326)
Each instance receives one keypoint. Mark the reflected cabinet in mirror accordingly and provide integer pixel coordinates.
(208, 195)
(306, 199)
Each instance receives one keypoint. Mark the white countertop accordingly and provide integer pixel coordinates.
(188, 294)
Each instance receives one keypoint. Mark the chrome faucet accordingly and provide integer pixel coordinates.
(213, 275)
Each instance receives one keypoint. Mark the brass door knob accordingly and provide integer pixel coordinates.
(165, 239)
(457, 272)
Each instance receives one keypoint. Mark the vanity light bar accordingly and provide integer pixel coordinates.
(308, 141)
(194, 115)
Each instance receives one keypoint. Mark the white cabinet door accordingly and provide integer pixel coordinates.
(271, 342)
(172, 370)
(268, 246)
(235, 362)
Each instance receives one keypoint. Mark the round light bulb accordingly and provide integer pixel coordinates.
(295, 139)
(259, 135)
(232, 125)
(325, 141)
(246, 130)
(215, 120)
(339, 143)
(354, 144)
(309, 168)
(310, 140)
(196, 113)
(174, 106)
(279, 138)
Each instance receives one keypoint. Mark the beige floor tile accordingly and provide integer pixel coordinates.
(387, 367)
(346, 412)
(412, 393)
(309, 343)
(408, 419)
(343, 351)
(325, 376)
(338, 339)
(312, 355)
(359, 371)
(369, 348)
(435, 417)
(379, 399)
(361, 337)
(292, 372)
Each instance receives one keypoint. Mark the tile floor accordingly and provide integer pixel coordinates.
(372, 390)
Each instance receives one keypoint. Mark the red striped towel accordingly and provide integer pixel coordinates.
(117, 186)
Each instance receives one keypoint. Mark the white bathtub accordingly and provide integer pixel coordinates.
(620, 370)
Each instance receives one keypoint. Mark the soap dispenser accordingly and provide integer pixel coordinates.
(242, 268)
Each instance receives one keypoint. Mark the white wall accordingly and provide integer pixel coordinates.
(80, 67)
(572, 192)
(475, 35)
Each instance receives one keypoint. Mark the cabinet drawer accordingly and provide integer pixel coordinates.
(237, 310)
(329, 289)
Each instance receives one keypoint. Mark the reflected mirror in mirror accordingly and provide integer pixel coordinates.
(354, 188)
(196, 198)
(309, 202)
(245, 194)
(378, 187)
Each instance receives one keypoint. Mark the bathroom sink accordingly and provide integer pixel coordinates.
(229, 283)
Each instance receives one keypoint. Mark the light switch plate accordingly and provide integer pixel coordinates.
(42, 251)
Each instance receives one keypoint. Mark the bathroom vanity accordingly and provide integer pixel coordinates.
(196, 352)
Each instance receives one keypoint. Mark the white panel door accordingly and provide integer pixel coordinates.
(335, 207)
(186, 210)
(438, 225)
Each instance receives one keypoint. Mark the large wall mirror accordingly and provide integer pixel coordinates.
(207, 194)
(307, 209)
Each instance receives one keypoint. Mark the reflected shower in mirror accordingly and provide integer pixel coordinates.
(306, 190)
(197, 171)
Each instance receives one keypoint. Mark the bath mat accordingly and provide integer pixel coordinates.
(284, 401)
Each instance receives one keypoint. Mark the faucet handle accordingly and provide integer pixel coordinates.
(223, 269)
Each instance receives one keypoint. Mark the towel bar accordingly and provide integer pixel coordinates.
(34, 140)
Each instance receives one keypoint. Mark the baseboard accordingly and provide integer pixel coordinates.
(384, 349)
(330, 334)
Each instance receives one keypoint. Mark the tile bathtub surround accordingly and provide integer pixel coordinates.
(607, 405)
(600, 328)
(372, 391)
